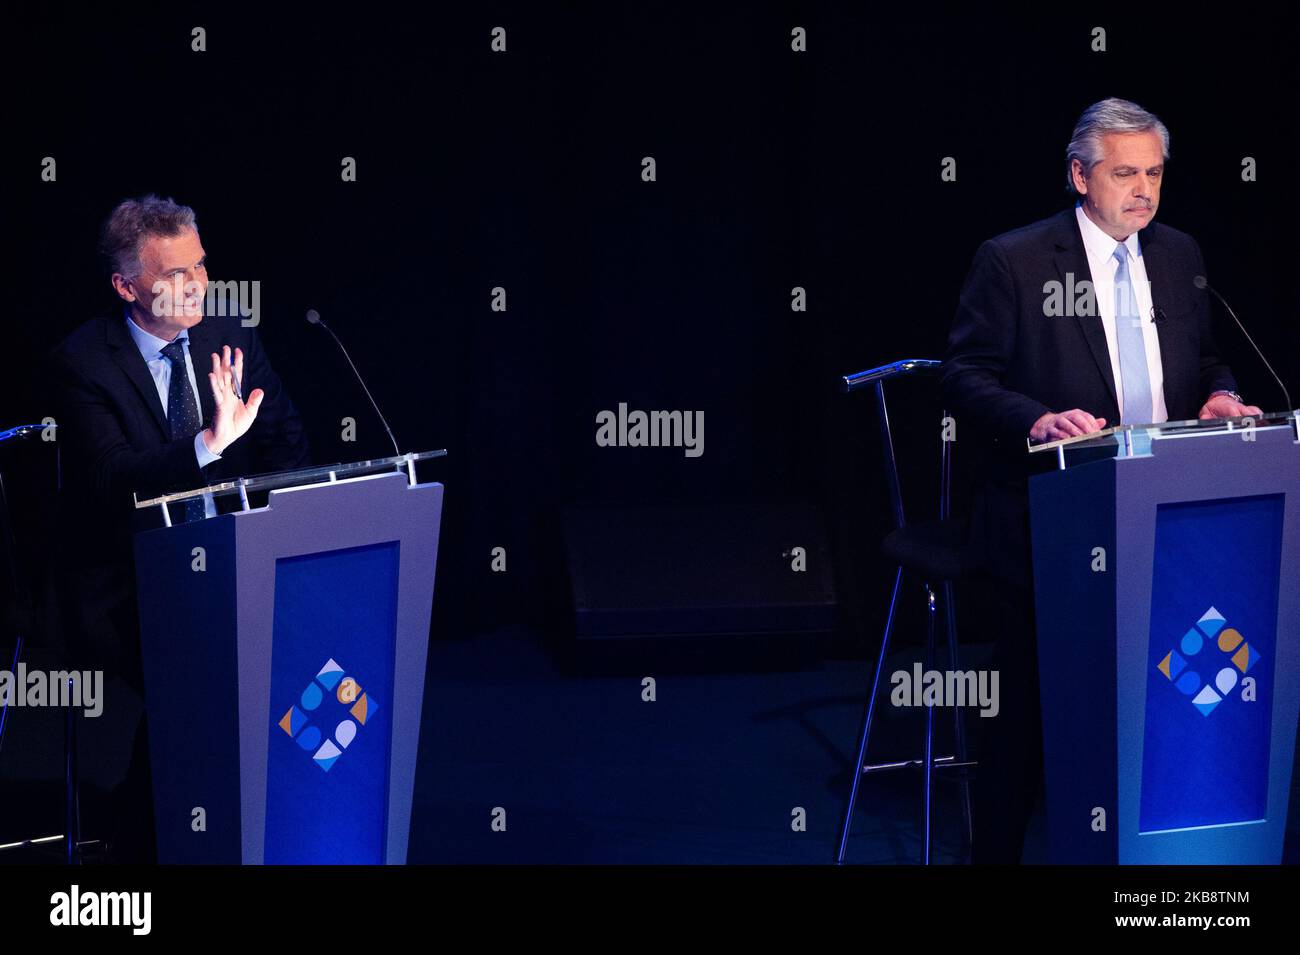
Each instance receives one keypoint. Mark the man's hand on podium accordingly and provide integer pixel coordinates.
(1067, 424)
(1223, 405)
(234, 415)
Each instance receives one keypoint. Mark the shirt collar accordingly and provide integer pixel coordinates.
(150, 346)
(1098, 244)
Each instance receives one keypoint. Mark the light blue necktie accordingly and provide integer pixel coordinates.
(1132, 348)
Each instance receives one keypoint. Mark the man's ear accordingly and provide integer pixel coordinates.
(1076, 173)
(123, 287)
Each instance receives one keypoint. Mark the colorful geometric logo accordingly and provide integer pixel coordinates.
(330, 682)
(1235, 658)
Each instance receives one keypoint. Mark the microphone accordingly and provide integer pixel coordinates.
(313, 318)
(1157, 315)
(1201, 283)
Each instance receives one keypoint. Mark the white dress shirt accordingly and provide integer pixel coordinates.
(160, 368)
(1103, 265)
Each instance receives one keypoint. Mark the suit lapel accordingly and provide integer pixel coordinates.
(128, 358)
(1158, 269)
(201, 349)
(1072, 259)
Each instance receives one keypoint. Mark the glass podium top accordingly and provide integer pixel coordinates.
(324, 474)
(1129, 440)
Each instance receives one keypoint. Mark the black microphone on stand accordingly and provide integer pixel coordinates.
(313, 317)
(1200, 282)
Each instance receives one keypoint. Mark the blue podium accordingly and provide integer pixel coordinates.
(1166, 562)
(284, 654)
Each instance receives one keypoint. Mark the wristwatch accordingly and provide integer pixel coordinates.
(1231, 394)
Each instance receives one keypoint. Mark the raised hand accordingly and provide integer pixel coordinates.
(233, 415)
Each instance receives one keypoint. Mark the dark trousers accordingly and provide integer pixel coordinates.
(132, 838)
(1010, 774)
(102, 626)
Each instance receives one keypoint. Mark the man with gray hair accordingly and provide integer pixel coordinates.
(1134, 347)
(155, 398)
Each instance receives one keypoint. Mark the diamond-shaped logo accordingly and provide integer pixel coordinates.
(1183, 665)
(350, 706)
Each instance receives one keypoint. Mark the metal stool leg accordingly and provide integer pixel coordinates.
(72, 802)
(866, 719)
(959, 722)
(928, 784)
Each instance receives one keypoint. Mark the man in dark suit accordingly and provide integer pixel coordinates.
(1082, 321)
(157, 398)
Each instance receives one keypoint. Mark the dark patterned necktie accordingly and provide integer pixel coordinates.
(182, 415)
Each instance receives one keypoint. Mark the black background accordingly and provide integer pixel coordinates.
(523, 170)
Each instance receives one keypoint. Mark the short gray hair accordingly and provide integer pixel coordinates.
(1108, 116)
(135, 220)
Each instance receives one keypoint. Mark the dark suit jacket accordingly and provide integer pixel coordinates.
(1008, 363)
(114, 439)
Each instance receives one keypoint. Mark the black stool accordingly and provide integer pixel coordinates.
(936, 553)
(29, 618)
